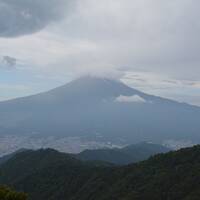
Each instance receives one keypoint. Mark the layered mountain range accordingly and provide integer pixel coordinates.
(49, 174)
(117, 156)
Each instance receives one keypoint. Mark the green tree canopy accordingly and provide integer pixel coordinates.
(8, 194)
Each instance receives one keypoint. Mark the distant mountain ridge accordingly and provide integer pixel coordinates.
(91, 105)
(48, 174)
(118, 156)
(130, 154)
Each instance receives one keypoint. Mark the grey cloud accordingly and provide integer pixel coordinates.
(21, 17)
(125, 35)
(130, 99)
(8, 62)
(154, 35)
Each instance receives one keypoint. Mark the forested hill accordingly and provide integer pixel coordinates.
(50, 175)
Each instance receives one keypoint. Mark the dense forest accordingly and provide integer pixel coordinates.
(8, 194)
(51, 175)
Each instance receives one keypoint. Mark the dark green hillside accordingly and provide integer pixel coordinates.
(130, 154)
(173, 176)
(50, 175)
(7, 157)
(47, 174)
(109, 155)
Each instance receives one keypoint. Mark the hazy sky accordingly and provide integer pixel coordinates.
(152, 45)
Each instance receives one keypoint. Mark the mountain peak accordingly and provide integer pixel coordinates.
(94, 87)
(95, 80)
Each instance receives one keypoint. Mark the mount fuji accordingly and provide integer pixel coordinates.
(91, 106)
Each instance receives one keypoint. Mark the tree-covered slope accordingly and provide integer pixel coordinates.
(5, 158)
(50, 175)
(47, 174)
(173, 176)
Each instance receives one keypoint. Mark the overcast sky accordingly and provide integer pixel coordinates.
(151, 45)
